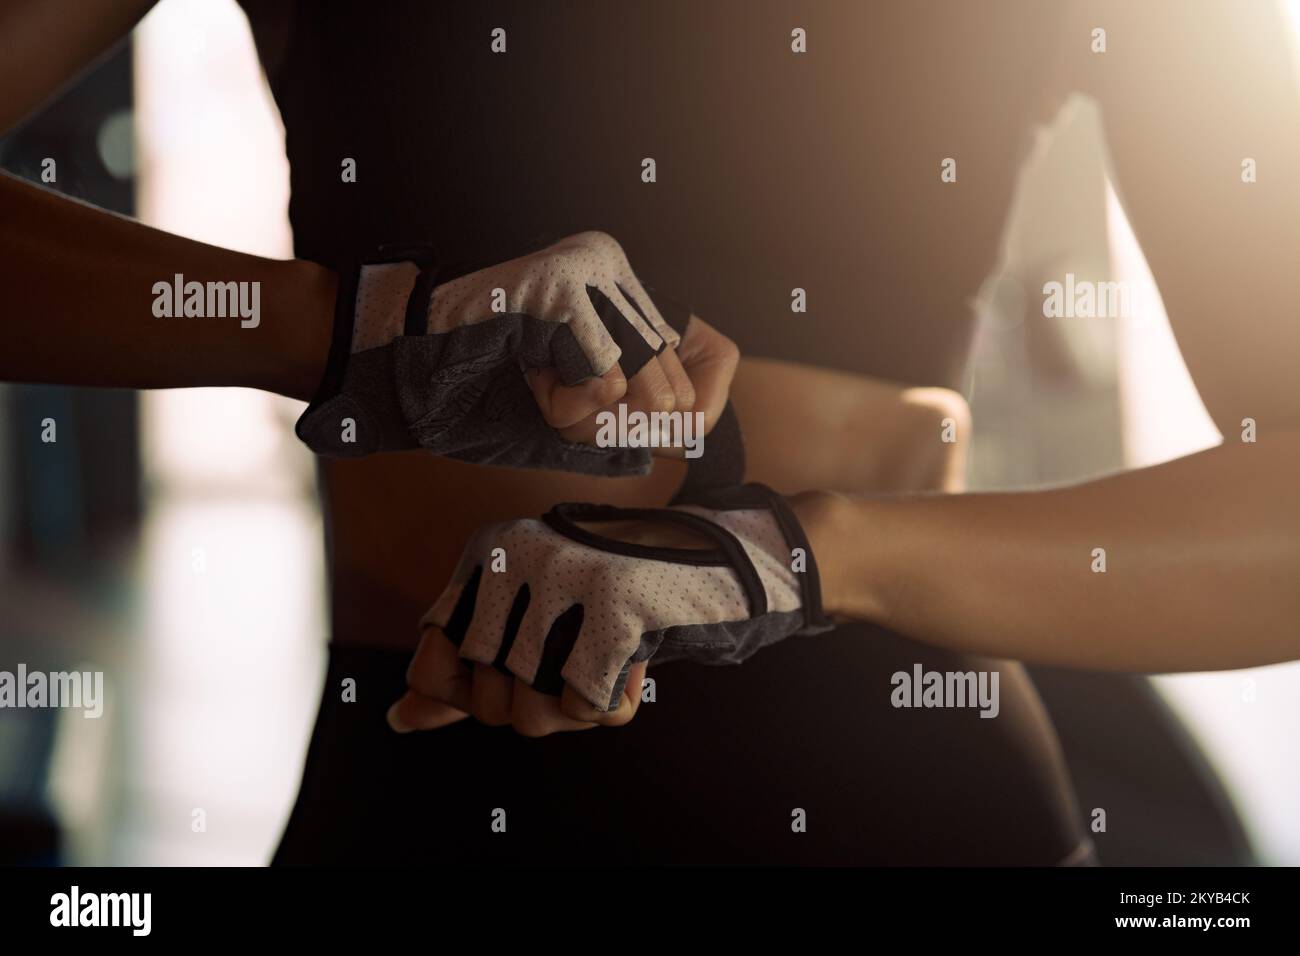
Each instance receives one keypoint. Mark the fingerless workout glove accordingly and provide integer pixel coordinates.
(418, 362)
(572, 606)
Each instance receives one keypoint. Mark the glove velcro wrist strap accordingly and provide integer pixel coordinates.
(345, 314)
(755, 495)
(728, 551)
(320, 425)
(375, 406)
(331, 383)
(810, 582)
(722, 464)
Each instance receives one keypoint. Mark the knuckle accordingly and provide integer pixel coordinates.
(728, 349)
(490, 716)
(574, 434)
(591, 242)
(575, 708)
(662, 399)
(532, 725)
(488, 711)
(603, 576)
(603, 241)
(618, 718)
(419, 680)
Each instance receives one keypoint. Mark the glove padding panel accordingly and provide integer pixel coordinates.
(575, 607)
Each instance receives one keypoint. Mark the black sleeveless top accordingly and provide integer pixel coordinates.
(774, 170)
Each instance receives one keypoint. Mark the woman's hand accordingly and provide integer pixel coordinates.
(443, 689)
(547, 624)
(694, 377)
(437, 364)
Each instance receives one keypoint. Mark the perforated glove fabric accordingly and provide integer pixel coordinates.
(417, 362)
(552, 602)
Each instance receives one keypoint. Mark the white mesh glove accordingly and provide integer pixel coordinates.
(574, 607)
(421, 364)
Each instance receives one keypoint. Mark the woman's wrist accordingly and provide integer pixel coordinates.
(305, 329)
(846, 543)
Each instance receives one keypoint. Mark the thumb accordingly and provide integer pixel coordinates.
(417, 712)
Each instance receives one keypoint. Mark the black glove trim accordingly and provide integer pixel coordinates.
(345, 317)
(634, 351)
(336, 363)
(721, 466)
(756, 495)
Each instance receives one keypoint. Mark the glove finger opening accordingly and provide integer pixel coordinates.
(637, 342)
(648, 309)
(516, 616)
(458, 621)
(559, 644)
(675, 315)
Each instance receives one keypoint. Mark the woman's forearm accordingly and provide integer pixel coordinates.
(1201, 560)
(82, 288)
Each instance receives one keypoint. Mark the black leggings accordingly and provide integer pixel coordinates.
(711, 772)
